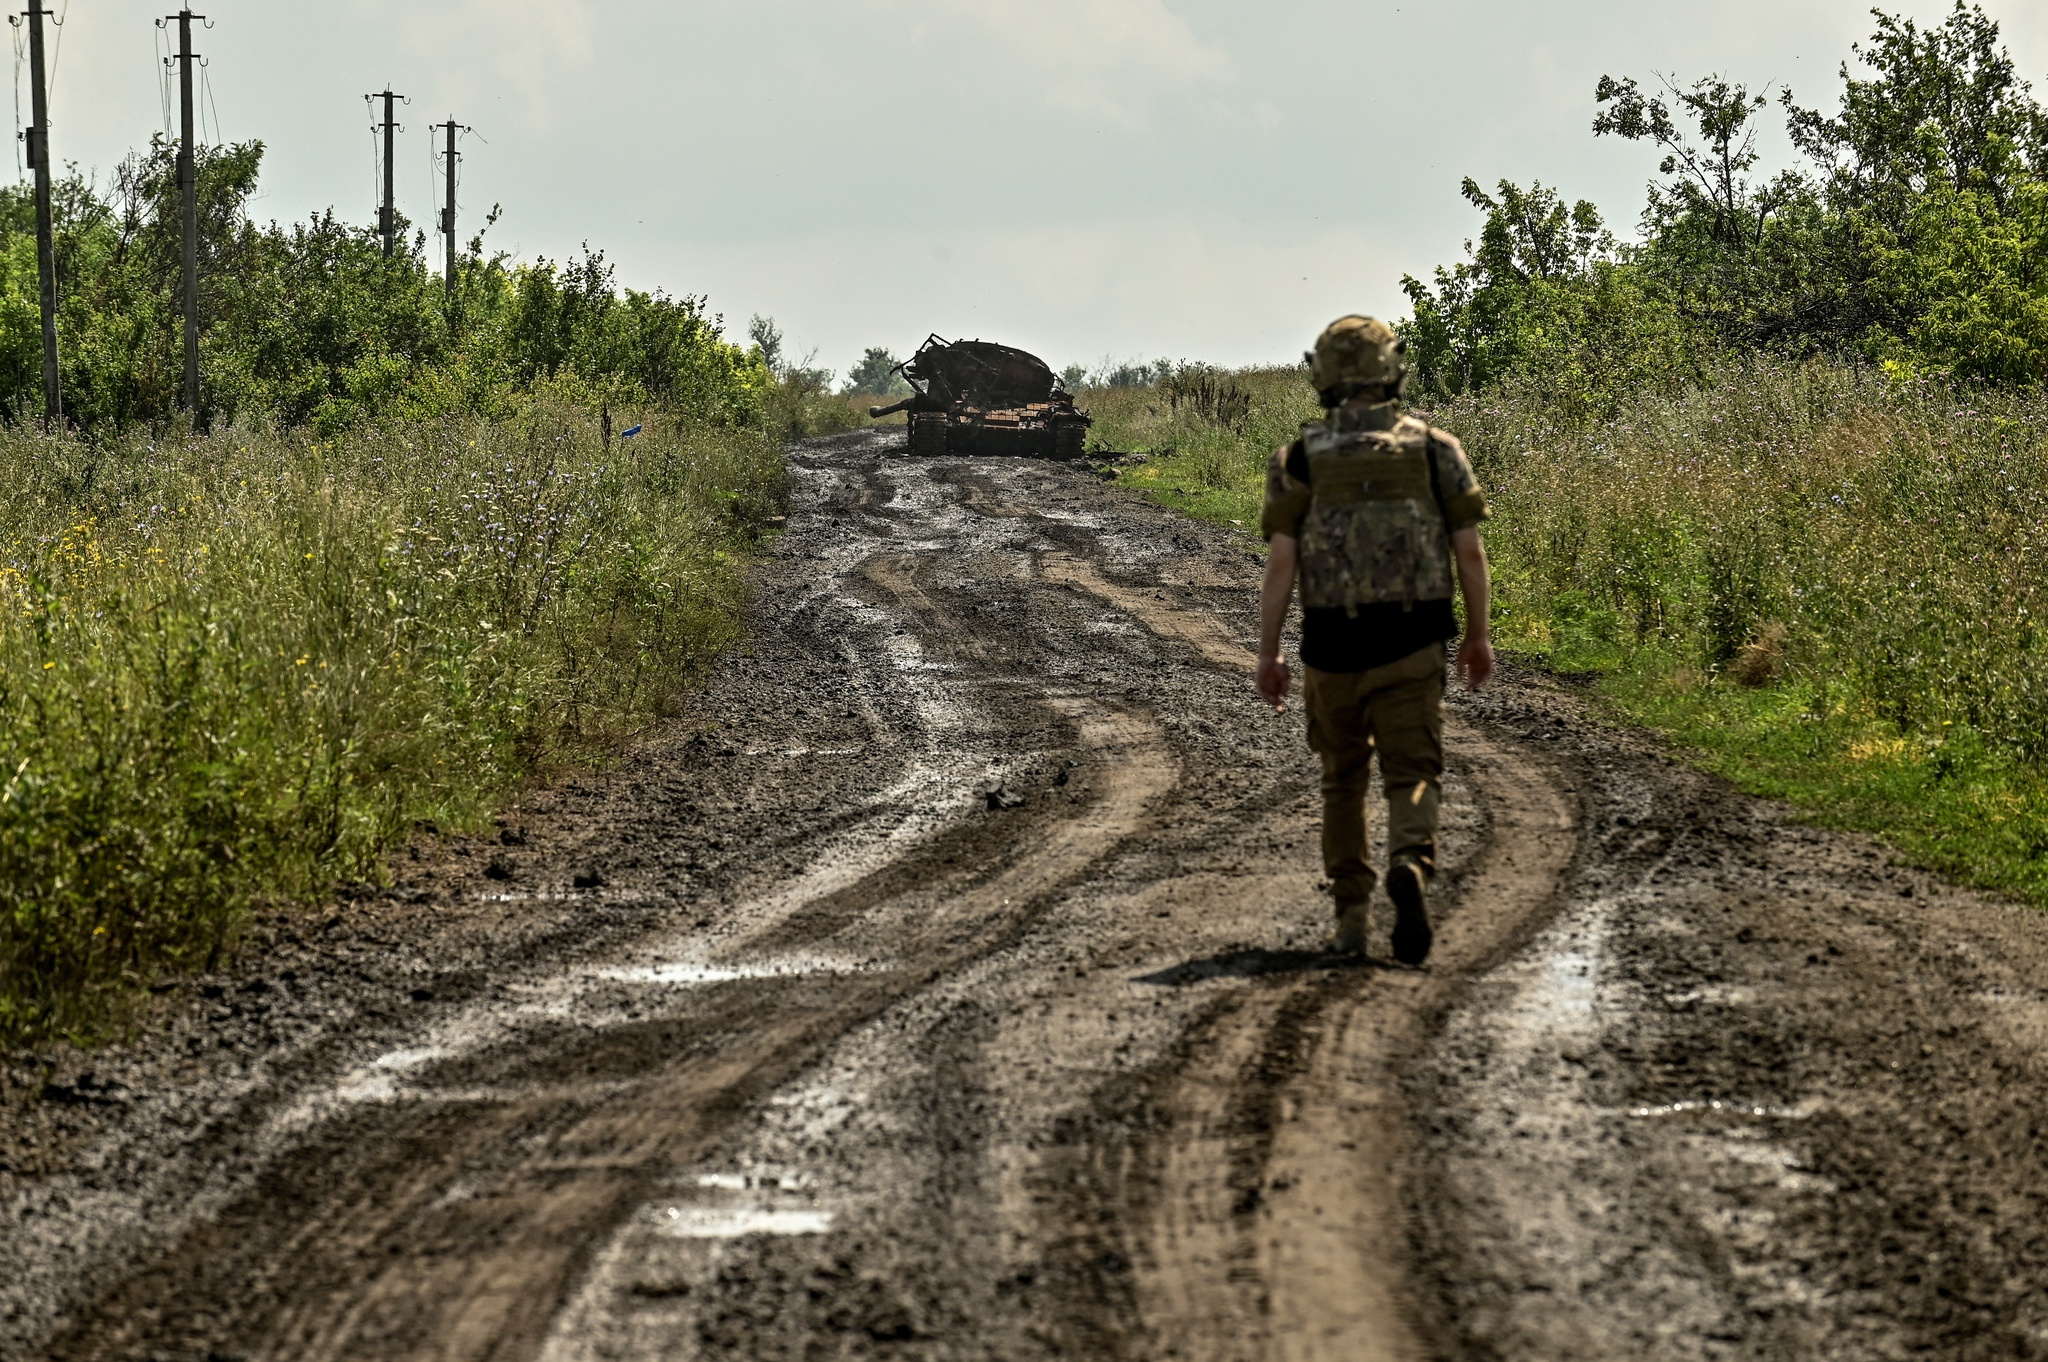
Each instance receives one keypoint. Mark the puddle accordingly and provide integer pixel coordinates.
(1729, 995)
(691, 972)
(379, 1080)
(567, 895)
(401, 1060)
(754, 1182)
(1722, 1108)
(733, 1222)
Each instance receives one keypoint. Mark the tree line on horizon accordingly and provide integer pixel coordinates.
(1913, 235)
(309, 324)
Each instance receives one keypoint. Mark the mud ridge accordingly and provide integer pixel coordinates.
(948, 983)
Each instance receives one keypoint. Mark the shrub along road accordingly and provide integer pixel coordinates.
(946, 985)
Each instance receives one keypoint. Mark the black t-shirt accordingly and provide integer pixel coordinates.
(1336, 640)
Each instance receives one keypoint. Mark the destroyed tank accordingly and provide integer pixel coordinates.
(977, 397)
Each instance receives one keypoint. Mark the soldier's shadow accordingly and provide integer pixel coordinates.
(1255, 963)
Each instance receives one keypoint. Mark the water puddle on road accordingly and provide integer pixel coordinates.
(1537, 1076)
(1716, 1106)
(694, 972)
(733, 1222)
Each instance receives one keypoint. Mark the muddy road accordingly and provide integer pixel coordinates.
(946, 984)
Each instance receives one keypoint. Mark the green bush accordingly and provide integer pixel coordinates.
(1826, 579)
(311, 324)
(235, 669)
(1917, 236)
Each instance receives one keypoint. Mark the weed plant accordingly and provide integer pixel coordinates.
(1205, 434)
(801, 403)
(236, 669)
(1830, 581)
(1827, 581)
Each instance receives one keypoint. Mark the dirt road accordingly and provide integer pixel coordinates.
(946, 985)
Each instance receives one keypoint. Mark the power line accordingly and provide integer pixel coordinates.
(57, 48)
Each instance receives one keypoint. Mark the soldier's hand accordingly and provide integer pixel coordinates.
(1475, 661)
(1273, 682)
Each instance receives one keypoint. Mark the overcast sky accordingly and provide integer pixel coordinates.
(1086, 178)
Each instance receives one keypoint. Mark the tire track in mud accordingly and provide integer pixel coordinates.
(1267, 1207)
(848, 1062)
(1253, 1222)
(441, 1249)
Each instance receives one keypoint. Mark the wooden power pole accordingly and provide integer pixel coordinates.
(451, 127)
(387, 214)
(188, 194)
(46, 249)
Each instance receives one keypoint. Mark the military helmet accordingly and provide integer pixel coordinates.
(1357, 356)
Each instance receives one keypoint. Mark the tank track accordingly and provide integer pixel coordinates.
(927, 435)
(1069, 439)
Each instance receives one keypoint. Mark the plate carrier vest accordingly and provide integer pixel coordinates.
(1375, 530)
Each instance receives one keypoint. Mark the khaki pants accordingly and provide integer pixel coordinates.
(1398, 711)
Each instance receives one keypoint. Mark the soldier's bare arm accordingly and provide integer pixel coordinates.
(1475, 649)
(1274, 593)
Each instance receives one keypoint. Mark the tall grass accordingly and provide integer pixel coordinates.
(1206, 434)
(1829, 583)
(235, 669)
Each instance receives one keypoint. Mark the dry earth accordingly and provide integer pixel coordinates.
(947, 986)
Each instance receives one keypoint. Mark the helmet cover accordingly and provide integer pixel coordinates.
(1357, 356)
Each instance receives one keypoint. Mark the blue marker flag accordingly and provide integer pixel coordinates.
(629, 434)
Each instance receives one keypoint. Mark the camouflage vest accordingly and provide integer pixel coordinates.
(1375, 530)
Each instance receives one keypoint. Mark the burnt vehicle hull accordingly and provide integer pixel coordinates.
(978, 397)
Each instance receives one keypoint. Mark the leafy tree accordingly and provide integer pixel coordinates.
(1942, 106)
(311, 323)
(1546, 288)
(1706, 181)
(1130, 373)
(1914, 237)
(767, 339)
(876, 374)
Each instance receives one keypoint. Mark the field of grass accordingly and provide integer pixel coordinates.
(1206, 435)
(235, 670)
(1827, 584)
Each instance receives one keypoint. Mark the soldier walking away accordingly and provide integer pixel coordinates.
(1369, 508)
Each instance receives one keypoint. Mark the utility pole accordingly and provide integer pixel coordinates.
(188, 191)
(387, 216)
(46, 249)
(451, 127)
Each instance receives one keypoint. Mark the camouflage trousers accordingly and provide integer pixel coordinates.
(1396, 711)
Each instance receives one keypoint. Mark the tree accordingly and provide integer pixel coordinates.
(1943, 106)
(1707, 180)
(767, 338)
(876, 374)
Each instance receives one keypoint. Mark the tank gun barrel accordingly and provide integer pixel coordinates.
(893, 407)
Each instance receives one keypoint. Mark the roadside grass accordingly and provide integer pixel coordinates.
(1828, 585)
(801, 403)
(235, 670)
(1205, 435)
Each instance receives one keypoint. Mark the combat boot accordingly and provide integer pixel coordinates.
(1408, 887)
(1349, 938)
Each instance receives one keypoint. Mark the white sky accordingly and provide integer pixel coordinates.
(1085, 178)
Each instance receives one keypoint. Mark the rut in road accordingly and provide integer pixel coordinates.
(852, 1054)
